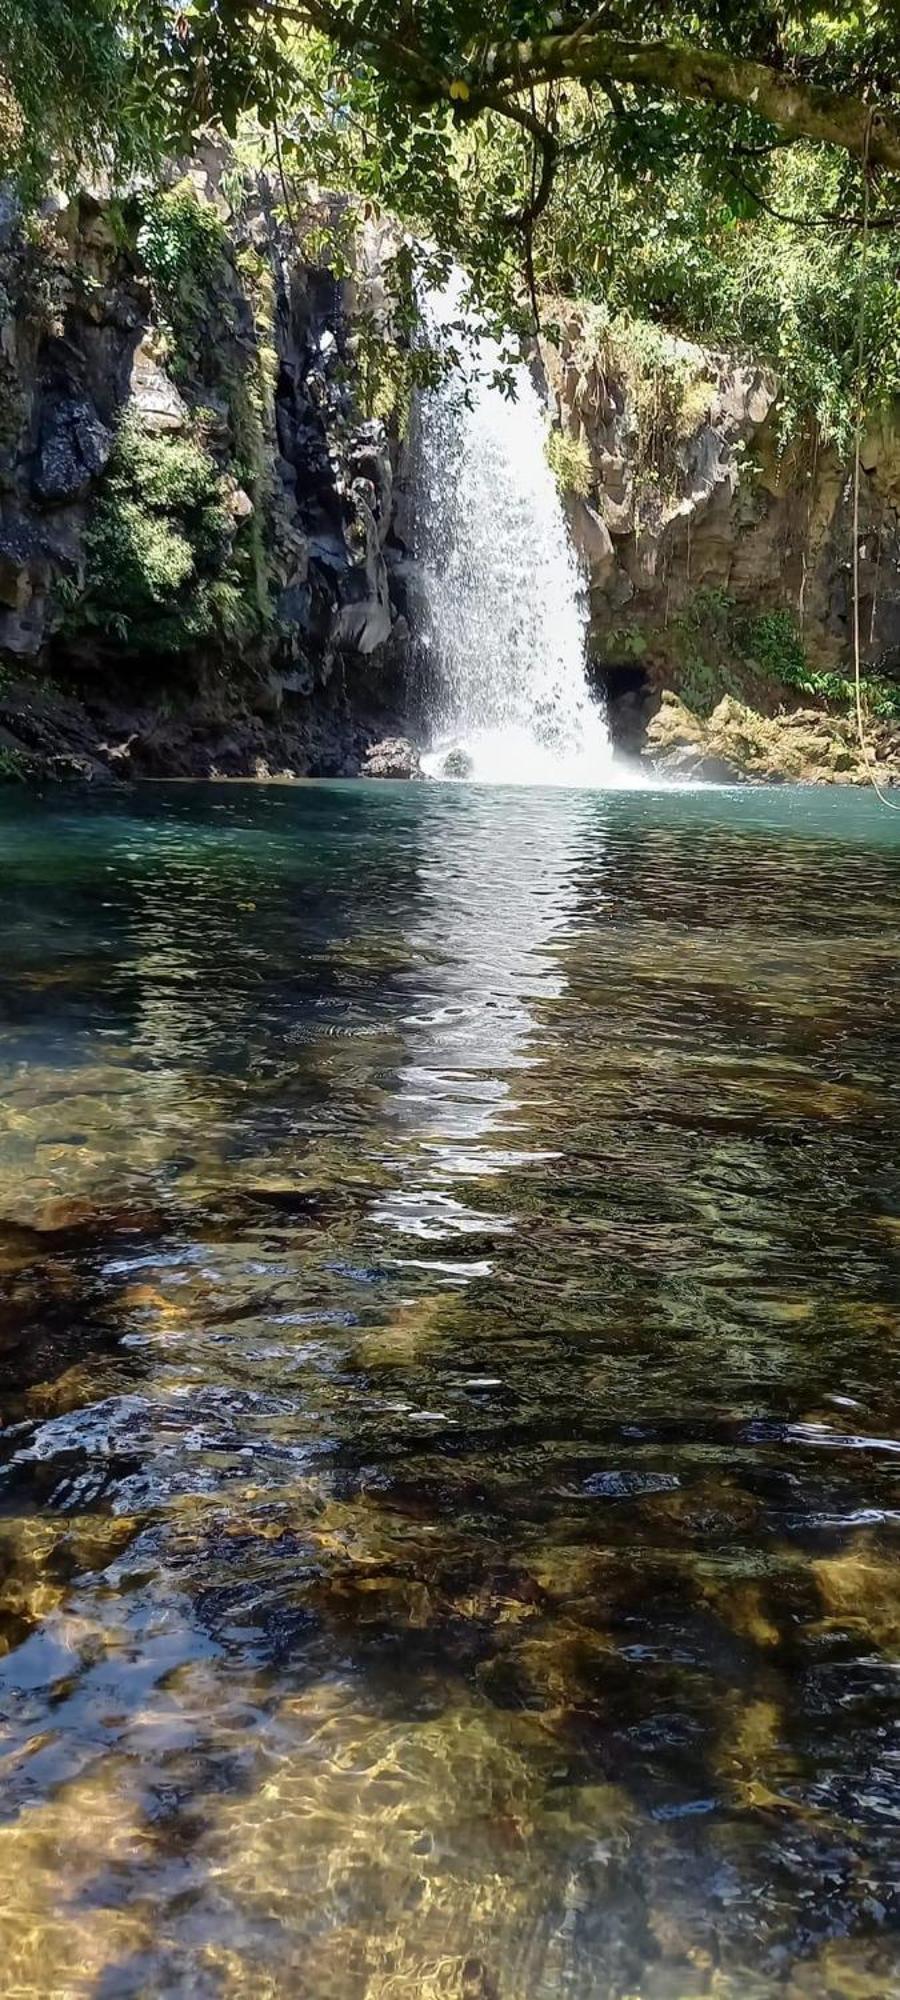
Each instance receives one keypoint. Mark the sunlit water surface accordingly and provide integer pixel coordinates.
(451, 1466)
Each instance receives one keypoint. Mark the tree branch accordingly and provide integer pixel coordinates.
(797, 109)
(542, 185)
(830, 219)
(547, 149)
(493, 72)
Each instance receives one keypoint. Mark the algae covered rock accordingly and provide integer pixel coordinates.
(735, 743)
(679, 745)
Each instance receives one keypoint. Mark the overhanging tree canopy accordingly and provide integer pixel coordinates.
(670, 149)
(798, 70)
(709, 65)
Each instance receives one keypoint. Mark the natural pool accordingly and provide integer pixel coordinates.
(451, 1465)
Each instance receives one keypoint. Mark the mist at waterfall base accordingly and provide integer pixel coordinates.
(504, 612)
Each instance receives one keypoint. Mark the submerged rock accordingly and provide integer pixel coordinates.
(457, 764)
(395, 757)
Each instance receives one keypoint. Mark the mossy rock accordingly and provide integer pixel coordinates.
(806, 746)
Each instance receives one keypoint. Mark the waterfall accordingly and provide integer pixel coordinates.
(504, 603)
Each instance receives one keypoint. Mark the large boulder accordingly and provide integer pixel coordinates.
(74, 448)
(396, 757)
(680, 746)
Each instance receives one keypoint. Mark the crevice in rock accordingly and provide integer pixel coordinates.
(630, 700)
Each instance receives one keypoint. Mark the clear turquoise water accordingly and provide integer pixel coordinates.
(451, 1458)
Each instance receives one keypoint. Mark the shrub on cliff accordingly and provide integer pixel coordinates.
(164, 571)
(715, 648)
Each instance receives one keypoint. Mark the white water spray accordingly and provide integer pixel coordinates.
(504, 602)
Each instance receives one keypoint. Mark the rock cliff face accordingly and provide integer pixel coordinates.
(719, 562)
(196, 520)
(203, 560)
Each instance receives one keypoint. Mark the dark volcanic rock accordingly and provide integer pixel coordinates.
(74, 450)
(258, 383)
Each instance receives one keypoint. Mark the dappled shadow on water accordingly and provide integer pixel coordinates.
(450, 1475)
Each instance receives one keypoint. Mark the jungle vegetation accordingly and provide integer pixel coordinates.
(706, 167)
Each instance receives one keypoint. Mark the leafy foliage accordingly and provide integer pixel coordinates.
(543, 159)
(773, 641)
(569, 460)
(162, 573)
(77, 85)
(787, 292)
(719, 647)
(180, 240)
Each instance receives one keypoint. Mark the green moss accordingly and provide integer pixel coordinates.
(388, 360)
(185, 251)
(668, 389)
(12, 766)
(703, 645)
(251, 399)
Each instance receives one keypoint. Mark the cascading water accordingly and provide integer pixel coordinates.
(504, 603)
